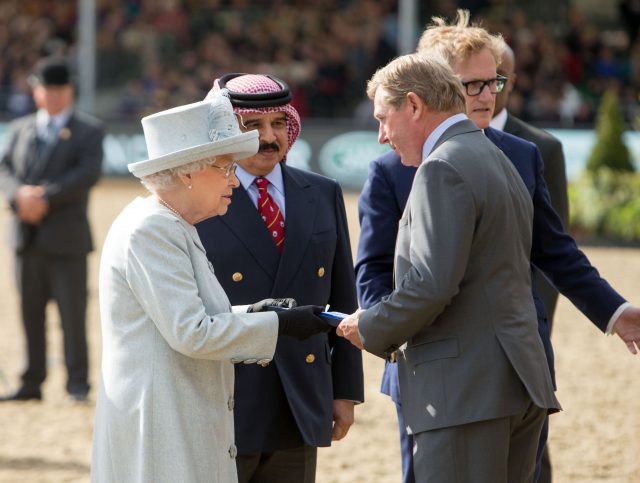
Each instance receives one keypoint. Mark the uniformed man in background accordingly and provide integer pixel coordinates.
(52, 159)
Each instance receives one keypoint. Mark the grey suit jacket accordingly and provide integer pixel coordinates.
(69, 167)
(556, 178)
(462, 301)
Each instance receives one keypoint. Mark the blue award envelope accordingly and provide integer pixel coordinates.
(333, 318)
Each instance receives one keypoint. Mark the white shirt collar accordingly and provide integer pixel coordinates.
(435, 135)
(58, 121)
(499, 120)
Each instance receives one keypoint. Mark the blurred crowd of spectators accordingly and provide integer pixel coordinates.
(562, 72)
(155, 54)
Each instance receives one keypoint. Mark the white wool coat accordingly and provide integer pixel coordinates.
(165, 403)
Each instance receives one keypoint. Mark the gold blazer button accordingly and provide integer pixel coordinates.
(65, 133)
(310, 358)
(237, 277)
(321, 272)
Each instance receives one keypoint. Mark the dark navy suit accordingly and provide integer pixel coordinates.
(290, 402)
(554, 252)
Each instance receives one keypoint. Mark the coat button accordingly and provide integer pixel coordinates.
(250, 361)
(231, 403)
(237, 277)
(65, 133)
(233, 451)
(321, 272)
(264, 362)
(310, 358)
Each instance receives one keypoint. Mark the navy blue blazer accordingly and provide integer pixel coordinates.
(553, 251)
(291, 398)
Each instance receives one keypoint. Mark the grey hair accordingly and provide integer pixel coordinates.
(169, 178)
(429, 77)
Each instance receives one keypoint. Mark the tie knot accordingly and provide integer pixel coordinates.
(50, 131)
(261, 182)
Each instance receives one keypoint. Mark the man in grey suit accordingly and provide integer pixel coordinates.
(51, 160)
(473, 375)
(554, 175)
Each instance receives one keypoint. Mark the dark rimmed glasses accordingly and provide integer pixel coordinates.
(475, 87)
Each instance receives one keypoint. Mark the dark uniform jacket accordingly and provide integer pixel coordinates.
(290, 401)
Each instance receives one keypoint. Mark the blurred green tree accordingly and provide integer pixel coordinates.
(609, 150)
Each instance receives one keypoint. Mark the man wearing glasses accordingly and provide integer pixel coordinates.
(285, 235)
(474, 55)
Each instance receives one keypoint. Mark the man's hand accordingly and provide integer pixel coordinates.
(348, 329)
(31, 204)
(628, 328)
(342, 418)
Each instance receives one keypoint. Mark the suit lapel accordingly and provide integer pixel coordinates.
(511, 126)
(301, 205)
(193, 231)
(29, 164)
(45, 159)
(244, 220)
(495, 136)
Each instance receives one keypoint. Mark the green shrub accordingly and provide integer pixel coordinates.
(623, 222)
(606, 204)
(609, 150)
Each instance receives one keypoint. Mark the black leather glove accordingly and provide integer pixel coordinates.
(272, 304)
(302, 322)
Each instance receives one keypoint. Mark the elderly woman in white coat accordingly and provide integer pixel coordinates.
(169, 335)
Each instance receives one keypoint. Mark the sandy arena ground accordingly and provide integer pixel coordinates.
(595, 439)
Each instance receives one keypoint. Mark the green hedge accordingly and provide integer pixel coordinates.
(606, 204)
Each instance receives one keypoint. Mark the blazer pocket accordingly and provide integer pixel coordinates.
(432, 351)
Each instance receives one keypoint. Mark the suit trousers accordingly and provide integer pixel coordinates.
(543, 463)
(41, 277)
(543, 472)
(499, 450)
(406, 447)
(295, 465)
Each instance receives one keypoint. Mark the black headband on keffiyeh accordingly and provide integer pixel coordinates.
(260, 94)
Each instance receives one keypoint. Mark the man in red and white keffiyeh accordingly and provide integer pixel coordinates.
(255, 94)
(304, 398)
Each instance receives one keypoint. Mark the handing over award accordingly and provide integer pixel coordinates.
(333, 318)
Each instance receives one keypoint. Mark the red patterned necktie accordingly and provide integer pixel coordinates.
(270, 212)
